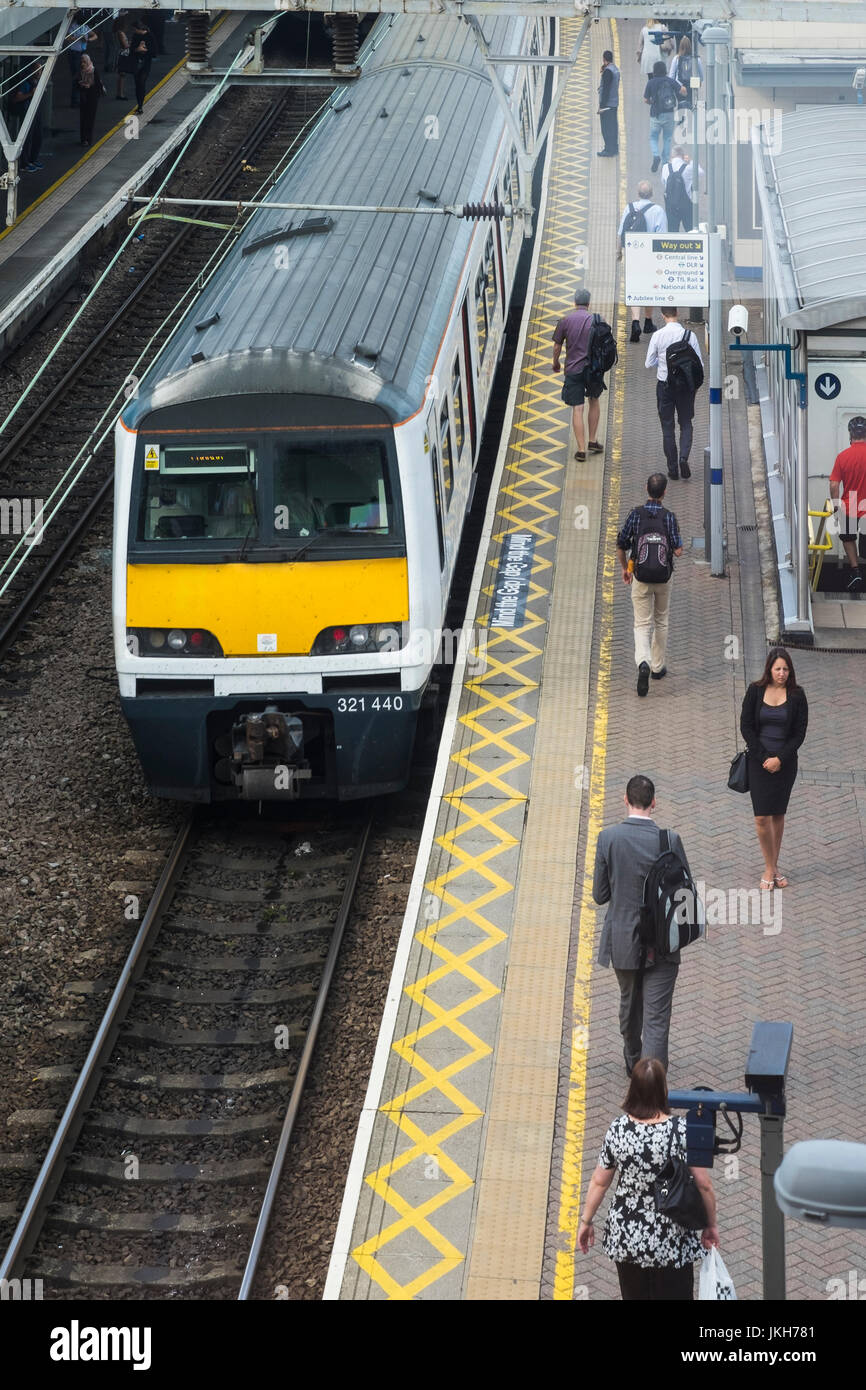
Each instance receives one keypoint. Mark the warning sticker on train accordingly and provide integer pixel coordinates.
(151, 457)
(266, 642)
(512, 580)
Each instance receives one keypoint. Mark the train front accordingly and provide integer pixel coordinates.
(261, 595)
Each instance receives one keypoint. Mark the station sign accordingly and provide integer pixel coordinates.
(667, 268)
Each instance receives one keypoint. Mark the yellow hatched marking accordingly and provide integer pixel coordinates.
(575, 1123)
(528, 501)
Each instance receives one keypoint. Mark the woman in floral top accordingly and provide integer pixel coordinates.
(654, 1255)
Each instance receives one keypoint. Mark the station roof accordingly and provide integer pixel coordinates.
(811, 184)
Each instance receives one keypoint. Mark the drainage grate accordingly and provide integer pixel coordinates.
(753, 527)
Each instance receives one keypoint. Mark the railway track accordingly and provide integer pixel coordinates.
(193, 1081)
(95, 365)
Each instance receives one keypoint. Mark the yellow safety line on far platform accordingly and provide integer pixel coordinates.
(575, 1124)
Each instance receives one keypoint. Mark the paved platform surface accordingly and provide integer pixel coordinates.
(56, 203)
(500, 1062)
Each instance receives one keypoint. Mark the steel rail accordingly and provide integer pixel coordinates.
(304, 1065)
(66, 1136)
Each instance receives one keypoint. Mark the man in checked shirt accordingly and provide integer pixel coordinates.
(636, 550)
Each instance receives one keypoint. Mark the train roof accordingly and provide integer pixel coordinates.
(360, 309)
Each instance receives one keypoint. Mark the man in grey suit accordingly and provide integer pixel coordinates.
(623, 857)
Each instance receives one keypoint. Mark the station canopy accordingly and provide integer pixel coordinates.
(718, 11)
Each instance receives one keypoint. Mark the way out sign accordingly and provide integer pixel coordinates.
(663, 268)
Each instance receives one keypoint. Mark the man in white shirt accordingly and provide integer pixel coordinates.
(672, 399)
(654, 220)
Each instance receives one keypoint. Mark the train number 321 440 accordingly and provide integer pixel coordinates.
(359, 704)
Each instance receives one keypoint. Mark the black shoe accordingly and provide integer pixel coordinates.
(643, 678)
(649, 326)
(685, 471)
(659, 675)
(635, 331)
(855, 583)
(594, 447)
(672, 473)
(656, 163)
(606, 154)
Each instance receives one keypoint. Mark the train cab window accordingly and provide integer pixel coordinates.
(447, 459)
(199, 494)
(341, 487)
(457, 407)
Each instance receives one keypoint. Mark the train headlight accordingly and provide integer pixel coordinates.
(360, 637)
(176, 641)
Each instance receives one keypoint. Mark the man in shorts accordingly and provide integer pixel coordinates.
(849, 479)
(574, 330)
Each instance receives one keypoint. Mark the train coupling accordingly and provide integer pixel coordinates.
(267, 761)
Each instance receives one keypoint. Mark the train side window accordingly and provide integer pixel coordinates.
(437, 493)
(490, 277)
(513, 189)
(481, 317)
(447, 454)
(457, 407)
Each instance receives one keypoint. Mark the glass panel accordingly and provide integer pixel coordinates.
(457, 405)
(334, 488)
(235, 458)
(197, 506)
(437, 492)
(490, 272)
(481, 312)
(445, 441)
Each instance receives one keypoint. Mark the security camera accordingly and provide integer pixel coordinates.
(859, 79)
(738, 320)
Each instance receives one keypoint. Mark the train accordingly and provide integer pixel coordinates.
(293, 472)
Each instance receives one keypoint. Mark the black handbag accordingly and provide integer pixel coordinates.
(676, 1194)
(738, 777)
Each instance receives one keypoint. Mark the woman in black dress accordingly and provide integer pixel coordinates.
(773, 722)
(655, 1256)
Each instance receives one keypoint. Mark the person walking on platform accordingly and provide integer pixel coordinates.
(91, 89)
(773, 721)
(677, 183)
(677, 383)
(608, 106)
(645, 547)
(143, 52)
(661, 95)
(849, 475)
(575, 330)
(643, 215)
(652, 45)
(624, 855)
(20, 103)
(654, 1255)
(682, 69)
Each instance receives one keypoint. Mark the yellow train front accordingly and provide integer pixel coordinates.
(293, 473)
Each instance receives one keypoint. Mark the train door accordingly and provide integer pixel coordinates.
(432, 451)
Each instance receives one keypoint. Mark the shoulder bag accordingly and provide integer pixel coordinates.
(676, 1194)
(738, 777)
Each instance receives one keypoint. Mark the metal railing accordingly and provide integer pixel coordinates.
(818, 545)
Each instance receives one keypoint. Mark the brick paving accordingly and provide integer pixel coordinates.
(806, 966)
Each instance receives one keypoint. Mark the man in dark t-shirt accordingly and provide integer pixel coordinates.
(574, 330)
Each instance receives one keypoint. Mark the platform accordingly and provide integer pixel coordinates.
(499, 1064)
(58, 202)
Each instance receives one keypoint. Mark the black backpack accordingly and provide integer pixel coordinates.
(634, 222)
(672, 914)
(602, 352)
(685, 372)
(666, 97)
(684, 70)
(653, 561)
(678, 204)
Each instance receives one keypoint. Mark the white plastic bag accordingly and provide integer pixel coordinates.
(715, 1281)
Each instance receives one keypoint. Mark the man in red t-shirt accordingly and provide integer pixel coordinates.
(849, 475)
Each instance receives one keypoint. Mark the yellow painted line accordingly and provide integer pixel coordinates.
(575, 1124)
(484, 797)
(92, 151)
